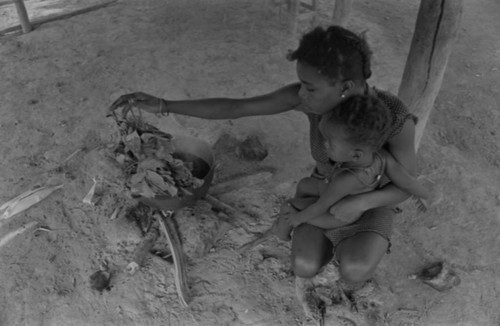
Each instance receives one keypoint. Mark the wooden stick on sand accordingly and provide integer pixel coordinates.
(167, 227)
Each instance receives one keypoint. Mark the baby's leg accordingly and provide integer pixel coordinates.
(328, 221)
(305, 195)
(309, 187)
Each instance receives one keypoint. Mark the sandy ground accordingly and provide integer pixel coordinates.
(57, 81)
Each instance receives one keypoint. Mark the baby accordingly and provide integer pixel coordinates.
(354, 133)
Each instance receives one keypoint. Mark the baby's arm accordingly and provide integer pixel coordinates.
(403, 180)
(342, 185)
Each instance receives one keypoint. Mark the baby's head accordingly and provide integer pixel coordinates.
(356, 127)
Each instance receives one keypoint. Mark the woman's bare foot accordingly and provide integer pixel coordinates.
(282, 229)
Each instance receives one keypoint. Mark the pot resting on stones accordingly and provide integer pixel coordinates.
(163, 171)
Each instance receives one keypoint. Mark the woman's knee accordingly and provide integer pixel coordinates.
(360, 255)
(310, 250)
(306, 267)
(356, 270)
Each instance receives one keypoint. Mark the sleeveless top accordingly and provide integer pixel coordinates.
(399, 115)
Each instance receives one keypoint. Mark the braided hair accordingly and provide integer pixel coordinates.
(365, 120)
(336, 52)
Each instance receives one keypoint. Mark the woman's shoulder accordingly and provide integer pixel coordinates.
(398, 108)
(393, 102)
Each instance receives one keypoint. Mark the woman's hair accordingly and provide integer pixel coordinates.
(336, 52)
(365, 120)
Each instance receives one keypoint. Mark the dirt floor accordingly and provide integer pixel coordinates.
(57, 82)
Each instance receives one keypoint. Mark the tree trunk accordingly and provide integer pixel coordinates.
(436, 29)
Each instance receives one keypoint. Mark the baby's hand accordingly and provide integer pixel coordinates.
(286, 209)
(434, 197)
(423, 204)
(293, 219)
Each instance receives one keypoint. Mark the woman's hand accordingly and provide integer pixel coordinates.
(348, 209)
(143, 101)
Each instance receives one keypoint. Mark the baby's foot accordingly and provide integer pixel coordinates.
(435, 197)
(423, 204)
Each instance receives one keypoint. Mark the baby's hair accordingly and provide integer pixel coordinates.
(336, 52)
(365, 120)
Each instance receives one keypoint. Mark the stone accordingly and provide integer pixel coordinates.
(251, 149)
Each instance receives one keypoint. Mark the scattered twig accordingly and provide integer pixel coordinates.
(115, 213)
(257, 241)
(25, 201)
(90, 194)
(67, 159)
(240, 182)
(236, 215)
(11, 235)
(226, 209)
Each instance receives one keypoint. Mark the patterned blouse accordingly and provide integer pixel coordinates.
(399, 113)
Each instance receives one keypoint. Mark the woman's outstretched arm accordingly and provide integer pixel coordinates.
(281, 100)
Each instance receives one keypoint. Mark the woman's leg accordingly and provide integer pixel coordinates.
(359, 256)
(305, 195)
(311, 250)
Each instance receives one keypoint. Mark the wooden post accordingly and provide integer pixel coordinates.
(436, 29)
(341, 12)
(23, 16)
(294, 15)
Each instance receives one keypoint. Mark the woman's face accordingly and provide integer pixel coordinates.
(318, 94)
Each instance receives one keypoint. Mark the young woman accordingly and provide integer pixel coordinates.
(332, 65)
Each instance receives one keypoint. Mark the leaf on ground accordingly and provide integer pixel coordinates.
(150, 163)
(142, 189)
(137, 178)
(158, 135)
(133, 144)
(157, 181)
(165, 151)
(197, 183)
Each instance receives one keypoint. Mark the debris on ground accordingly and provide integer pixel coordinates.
(439, 276)
(151, 166)
(251, 149)
(25, 201)
(100, 280)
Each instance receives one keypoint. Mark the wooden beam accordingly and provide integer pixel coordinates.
(294, 15)
(435, 31)
(23, 16)
(341, 12)
(54, 17)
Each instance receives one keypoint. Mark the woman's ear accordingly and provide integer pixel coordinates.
(347, 86)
